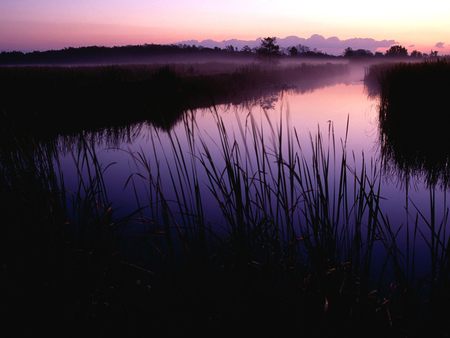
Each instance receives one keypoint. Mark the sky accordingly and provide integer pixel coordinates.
(49, 24)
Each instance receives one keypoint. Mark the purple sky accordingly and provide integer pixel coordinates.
(43, 24)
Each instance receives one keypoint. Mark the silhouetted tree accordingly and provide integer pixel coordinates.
(293, 51)
(348, 52)
(397, 50)
(269, 47)
(96, 54)
(229, 48)
(416, 54)
(303, 49)
(359, 53)
(246, 49)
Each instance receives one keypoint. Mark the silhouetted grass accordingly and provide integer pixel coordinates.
(57, 243)
(311, 217)
(57, 100)
(305, 242)
(413, 115)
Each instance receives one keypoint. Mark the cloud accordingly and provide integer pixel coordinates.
(332, 45)
(439, 45)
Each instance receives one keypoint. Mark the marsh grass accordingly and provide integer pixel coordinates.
(287, 207)
(302, 238)
(62, 100)
(413, 111)
(59, 250)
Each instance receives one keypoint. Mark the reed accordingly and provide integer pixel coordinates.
(282, 207)
(413, 135)
(300, 237)
(94, 98)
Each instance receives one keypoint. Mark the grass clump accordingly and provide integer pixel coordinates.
(61, 100)
(291, 213)
(412, 116)
(300, 240)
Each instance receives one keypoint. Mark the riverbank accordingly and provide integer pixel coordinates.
(70, 99)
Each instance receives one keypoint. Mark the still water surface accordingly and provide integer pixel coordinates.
(328, 110)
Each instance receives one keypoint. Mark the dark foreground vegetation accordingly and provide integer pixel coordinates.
(52, 100)
(306, 246)
(414, 109)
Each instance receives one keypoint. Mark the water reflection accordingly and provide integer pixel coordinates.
(413, 136)
(144, 164)
(71, 101)
(288, 179)
(413, 148)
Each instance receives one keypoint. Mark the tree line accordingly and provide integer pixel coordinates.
(268, 48)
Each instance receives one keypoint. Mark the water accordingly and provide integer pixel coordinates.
(208, 172)
(341, 111)
(305, 112)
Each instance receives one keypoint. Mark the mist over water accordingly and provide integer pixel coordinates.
(341, 111)
(171, 186)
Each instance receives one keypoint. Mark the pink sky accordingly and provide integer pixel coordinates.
(44, 24)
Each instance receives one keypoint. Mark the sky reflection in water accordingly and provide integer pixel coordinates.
(306, 113)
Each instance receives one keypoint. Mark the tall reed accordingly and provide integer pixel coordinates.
(258, 203)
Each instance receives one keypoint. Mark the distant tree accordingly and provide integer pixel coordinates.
(303, 49)
(359, 53)
(293, 51)
(269, 47)
(416, 54)
(229, 48)
(378, 54)
(348, 52)
(246, 49)
(315, 53)
(364, 52)
(433, 53)
(397, 51)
